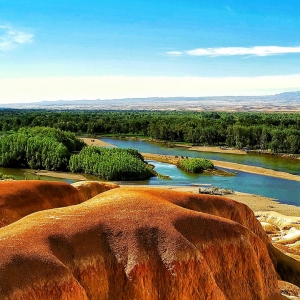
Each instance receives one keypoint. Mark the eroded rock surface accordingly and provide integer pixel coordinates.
(284, 232)
(289, 290)
(130, 243)
(89, 189)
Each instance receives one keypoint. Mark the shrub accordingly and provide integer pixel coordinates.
(3, 177)
(110, 163)
(195, 165)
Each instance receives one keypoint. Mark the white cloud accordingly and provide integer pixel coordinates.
(11, 37)
(116, 87)
(239, 51)
(175, 53)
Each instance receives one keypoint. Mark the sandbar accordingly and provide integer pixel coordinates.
(56, 174)
(217, 150)
(96, 142)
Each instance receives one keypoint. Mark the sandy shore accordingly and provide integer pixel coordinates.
(227, 165)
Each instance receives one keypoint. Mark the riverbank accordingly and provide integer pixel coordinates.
(227, 165)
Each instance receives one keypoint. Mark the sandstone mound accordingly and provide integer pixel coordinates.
(89, 189)
(131, 243)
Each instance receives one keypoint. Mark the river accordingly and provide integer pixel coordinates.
(286, 191)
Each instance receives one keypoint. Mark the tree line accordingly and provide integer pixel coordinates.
(277, 132)
(38, 148)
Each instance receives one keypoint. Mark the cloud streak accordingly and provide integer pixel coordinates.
(238, 51)
(10, 38)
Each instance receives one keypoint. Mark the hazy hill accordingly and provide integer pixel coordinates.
(280, 102)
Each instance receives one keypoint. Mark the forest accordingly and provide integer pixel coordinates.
(38, 148)
(275, 132)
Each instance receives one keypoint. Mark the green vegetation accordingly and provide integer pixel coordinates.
(195, 165)
(38, 148)
(275, 132)
(110, 164)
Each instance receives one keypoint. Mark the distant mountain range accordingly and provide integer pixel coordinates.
(289, 101)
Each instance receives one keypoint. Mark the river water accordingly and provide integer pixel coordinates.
(286, 191)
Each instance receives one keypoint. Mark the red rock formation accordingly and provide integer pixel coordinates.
(137, 244)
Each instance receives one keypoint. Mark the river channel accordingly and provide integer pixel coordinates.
(286, 191)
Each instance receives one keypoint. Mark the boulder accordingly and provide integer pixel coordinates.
(285, 238)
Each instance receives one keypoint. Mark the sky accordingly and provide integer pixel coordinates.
(71, 50)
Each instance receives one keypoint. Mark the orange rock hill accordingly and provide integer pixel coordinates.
(135, 243)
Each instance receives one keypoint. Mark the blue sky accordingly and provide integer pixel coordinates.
(51, 50)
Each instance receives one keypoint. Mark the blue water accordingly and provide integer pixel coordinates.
(286, 191)
(261, 160)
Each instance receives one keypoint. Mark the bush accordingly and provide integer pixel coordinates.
(195, 165)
